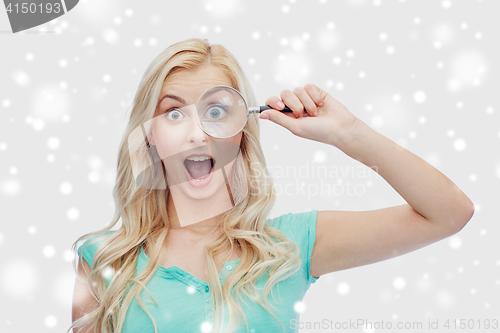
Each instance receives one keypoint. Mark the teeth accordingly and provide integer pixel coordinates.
(198, 158)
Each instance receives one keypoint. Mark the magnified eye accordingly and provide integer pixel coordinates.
(216, 111)
(173, 114)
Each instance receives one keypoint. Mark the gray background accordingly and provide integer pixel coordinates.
(422, 73)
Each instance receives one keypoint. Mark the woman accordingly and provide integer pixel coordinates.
(192, 258)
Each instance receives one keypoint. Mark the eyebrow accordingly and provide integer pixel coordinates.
(180, 99)
(177, 98)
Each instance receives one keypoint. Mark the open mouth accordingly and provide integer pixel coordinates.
(199, 167)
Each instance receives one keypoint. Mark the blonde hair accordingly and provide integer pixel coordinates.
(144, 211)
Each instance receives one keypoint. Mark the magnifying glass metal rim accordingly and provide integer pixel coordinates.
(198, 121)
(254, 109)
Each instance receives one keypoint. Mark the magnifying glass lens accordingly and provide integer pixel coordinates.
(222, 112)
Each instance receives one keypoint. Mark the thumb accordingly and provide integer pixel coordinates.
(280, 118)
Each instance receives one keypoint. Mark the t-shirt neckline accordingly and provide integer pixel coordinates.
(176, 270)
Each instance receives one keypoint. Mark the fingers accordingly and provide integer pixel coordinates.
(306, 101)
(275, 103)
(315, 93)
(307, 98)
(293, 102)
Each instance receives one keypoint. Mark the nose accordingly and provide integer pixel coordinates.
(196, 134)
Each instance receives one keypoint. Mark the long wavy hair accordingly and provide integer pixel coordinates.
(144, 218)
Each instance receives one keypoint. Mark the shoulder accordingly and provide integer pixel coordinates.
(300, 228)
(295, 225)
(91, 244)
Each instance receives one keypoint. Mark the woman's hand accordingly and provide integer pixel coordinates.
(324, 119)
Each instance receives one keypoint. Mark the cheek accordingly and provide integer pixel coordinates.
(166, 141)
(237, 139)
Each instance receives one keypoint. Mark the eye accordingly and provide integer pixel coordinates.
(173, 114)
(216, 111)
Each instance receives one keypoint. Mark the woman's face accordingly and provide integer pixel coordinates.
(177, 135)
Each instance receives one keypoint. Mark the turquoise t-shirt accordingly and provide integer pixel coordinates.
(183, 299)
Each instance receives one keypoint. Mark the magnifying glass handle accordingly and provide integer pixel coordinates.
(286, 109)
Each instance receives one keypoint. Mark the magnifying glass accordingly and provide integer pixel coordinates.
(222, 112)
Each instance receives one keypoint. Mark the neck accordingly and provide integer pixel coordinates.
(201, 228)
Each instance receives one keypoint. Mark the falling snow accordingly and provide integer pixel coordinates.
(343, 288)
(399, 283)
